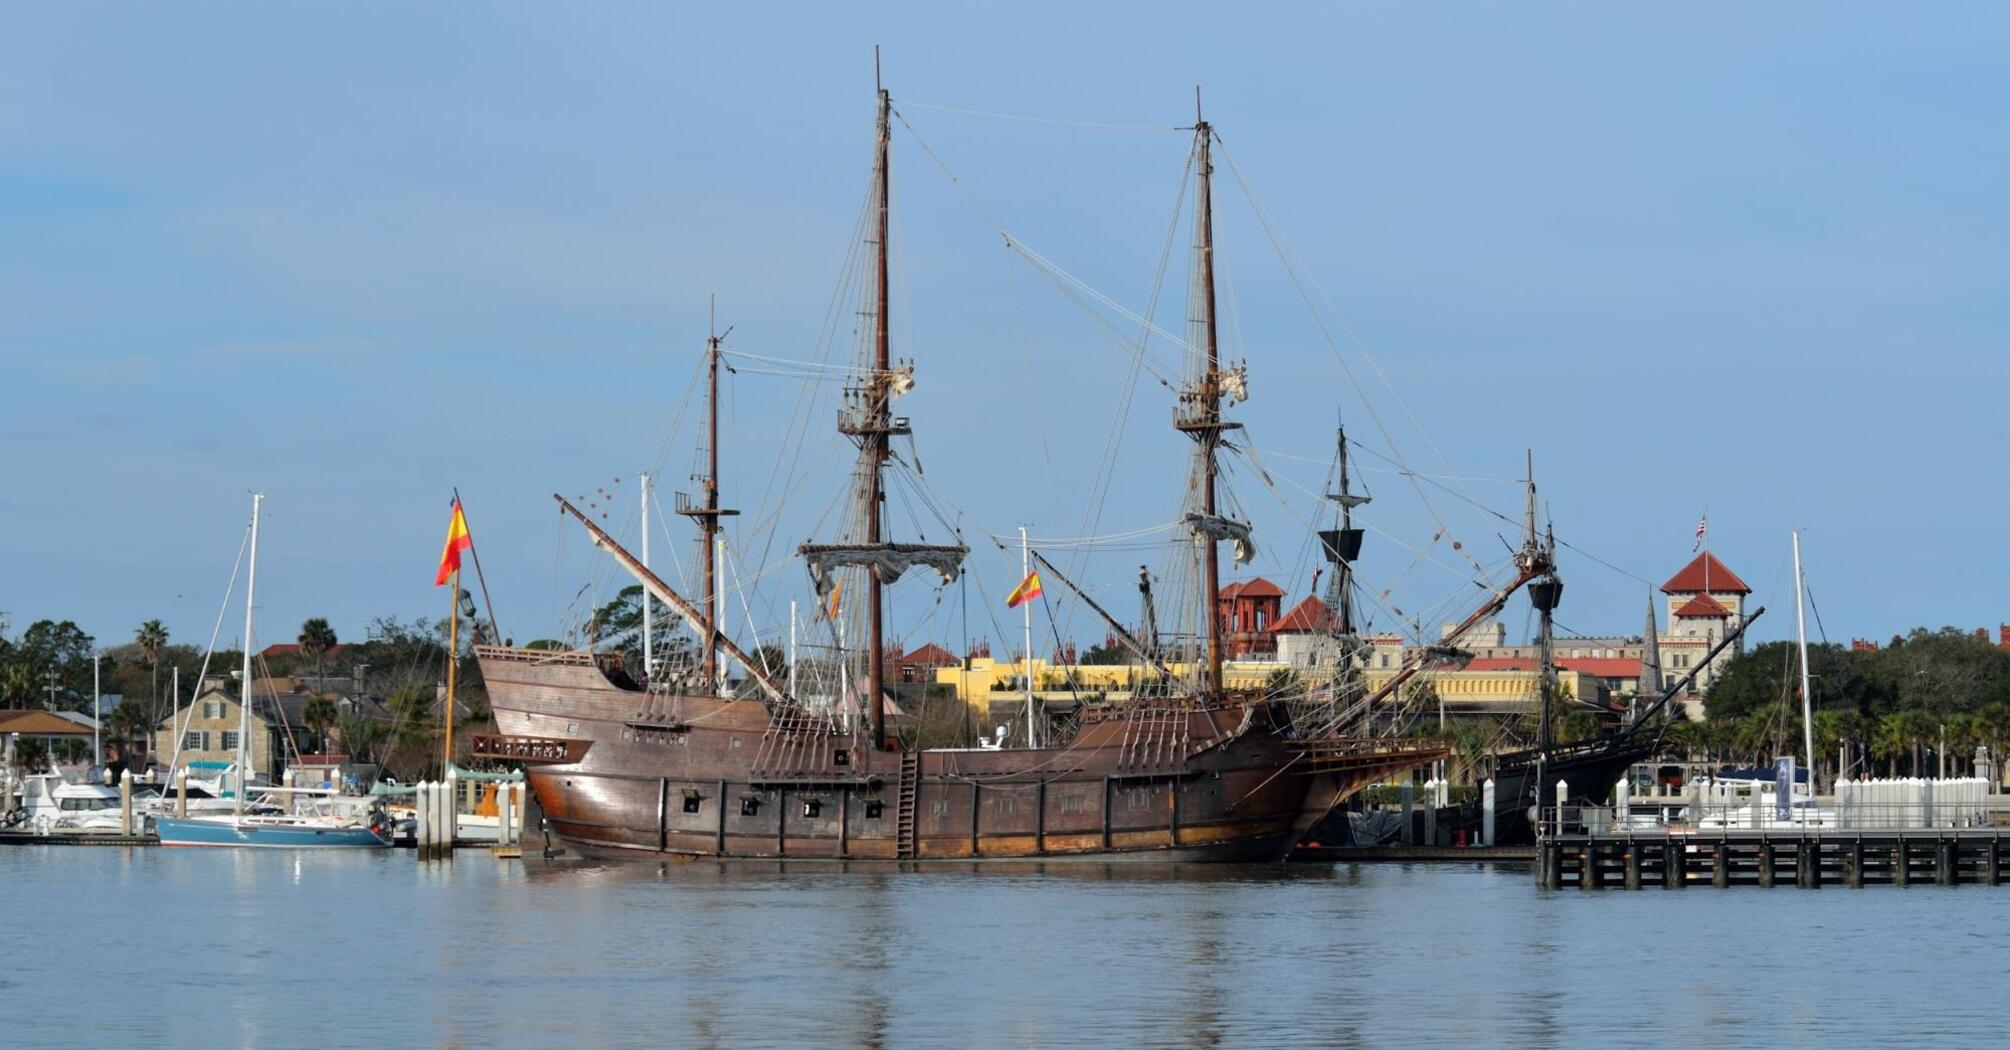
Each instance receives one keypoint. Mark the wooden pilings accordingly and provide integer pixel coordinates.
(1805, 860)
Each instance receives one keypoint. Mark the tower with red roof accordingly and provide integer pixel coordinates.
(1705, 601)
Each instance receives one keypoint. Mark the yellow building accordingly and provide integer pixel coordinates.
(1487, 690)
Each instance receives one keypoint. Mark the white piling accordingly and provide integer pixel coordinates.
(428, 809)
(1431, 812)
(1562, 793)
(1621, 798)
(1487, 812)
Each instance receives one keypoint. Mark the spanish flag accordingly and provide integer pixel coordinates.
(458, 540)
(1028, 589)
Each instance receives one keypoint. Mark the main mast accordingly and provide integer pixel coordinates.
(1199, 413)
(707, 514)
(867, 418)
(881, 404)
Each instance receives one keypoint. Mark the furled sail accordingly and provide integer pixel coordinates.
(888, 561)
(1236, 532)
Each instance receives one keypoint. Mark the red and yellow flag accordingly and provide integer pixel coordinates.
(1028, 589)
(458, 540)
(831, 606)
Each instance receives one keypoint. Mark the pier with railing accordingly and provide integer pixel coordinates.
(1871, 832)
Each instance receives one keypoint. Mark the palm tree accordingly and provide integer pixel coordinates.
(316, 639)
(152, 637)
(1918, 727)
(17, 682)
(1992, 722)
(320, 713)
(127, 724)
(1832, 730)
(1888, 741)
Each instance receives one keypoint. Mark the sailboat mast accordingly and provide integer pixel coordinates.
(1210, 397)
(880, 400)
(244, 694)
(1807, 696)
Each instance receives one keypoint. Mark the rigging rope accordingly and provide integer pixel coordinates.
(1101, 125)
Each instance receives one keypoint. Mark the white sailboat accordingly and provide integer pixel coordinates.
(327, 824)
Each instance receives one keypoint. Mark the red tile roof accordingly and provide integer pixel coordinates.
(1703, 606)
(40, 723)
(1705, 574)
(1256, 588)
(1596, 666)
(1308, 615)
(1501, 663)
(1604, 666)
(930, 655)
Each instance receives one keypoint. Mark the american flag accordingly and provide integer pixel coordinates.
(1702, 530)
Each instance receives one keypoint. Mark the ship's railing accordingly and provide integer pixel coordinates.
(1371, 745)
(528, 749)
(534, 656)
(1358, 754)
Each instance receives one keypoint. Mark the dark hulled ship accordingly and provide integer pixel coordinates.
(640, 764)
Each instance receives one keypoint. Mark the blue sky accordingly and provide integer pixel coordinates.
(1748, 258)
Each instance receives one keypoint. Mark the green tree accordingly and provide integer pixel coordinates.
(363, 738)
(60, 651)
(617, 625)
(317, 638)
(1109, 652)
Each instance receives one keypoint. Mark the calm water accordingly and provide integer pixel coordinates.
(182, 948)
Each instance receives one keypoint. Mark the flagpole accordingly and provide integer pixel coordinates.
(1026, 607)
(453, 659)
(481, 579)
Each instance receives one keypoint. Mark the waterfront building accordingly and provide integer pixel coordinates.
(1704, 600)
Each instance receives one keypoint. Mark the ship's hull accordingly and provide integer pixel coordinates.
(621, 772)
(1590, 776)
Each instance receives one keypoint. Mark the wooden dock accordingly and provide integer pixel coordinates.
(75, 838)
(1806, 859)
(1416, 854)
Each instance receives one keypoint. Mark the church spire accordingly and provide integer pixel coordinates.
(1650, 655)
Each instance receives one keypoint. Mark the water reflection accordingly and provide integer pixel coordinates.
(371, 950)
